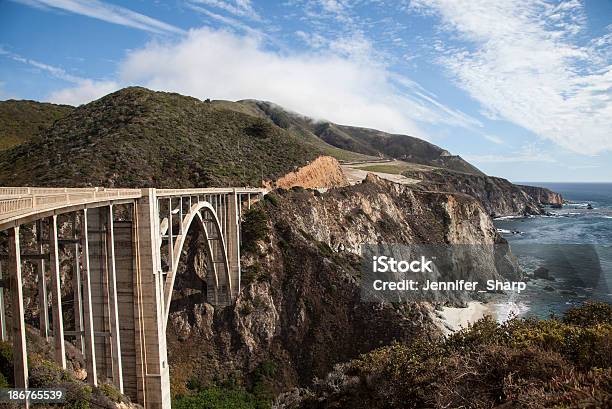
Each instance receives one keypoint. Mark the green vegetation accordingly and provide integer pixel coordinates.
(217, 398)
(21, 121)
(44, 373)
(521, 363)
(254, 228)
(258, 396)
(301, 127)
(136, 137)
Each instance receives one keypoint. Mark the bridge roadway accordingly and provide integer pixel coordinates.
(112, 255)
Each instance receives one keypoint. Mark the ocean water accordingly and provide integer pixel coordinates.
(574, 243)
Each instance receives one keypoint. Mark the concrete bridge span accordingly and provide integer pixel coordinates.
(112, 257)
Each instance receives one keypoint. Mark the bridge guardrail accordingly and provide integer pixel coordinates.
(206, 191)
(21, 202)
(16, 202)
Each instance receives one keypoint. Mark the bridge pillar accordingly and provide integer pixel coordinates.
(98, 276)
(88, 322)
(58, 320)
(124, 258)
(20, 355)
(232, 231)
(43, 300)
(153, 374)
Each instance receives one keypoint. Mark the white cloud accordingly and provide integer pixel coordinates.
(240, 8)
(312, 40)
(86, 90)
(105, 12)
(54, 71)
(528, 153)
(495, 139)
(523, 62)
(83, 90)
(229, 22)
(224, 65)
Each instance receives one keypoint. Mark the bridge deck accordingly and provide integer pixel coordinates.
(20, 205)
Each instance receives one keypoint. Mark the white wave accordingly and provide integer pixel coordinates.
(508, 217)
(506, 310)
(506, 231)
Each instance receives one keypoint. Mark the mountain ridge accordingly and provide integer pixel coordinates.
(136, 137)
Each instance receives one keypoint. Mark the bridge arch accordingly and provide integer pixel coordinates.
(204, 214)
(123, 295)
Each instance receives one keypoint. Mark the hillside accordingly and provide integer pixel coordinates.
(136, 137)
(367, 142)
(296, 124)
(21, 121)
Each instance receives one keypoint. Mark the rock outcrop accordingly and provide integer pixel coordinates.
(300, 307)
(498, 196)
(323, 172)
(543, 195)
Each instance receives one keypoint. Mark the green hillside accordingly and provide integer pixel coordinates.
(21, 121)
(137, 137)
(369, 143)
(296, 124)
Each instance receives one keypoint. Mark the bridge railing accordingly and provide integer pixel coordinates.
(17, 202)
(206, 191)
(22, 202)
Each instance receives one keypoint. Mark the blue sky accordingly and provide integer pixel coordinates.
(521, 89)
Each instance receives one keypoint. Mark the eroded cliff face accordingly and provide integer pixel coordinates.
(498, 196)
(323, 172)
(543, 195)
(300, 307)
(379, 211)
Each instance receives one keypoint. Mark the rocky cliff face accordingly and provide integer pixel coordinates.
(300, 308)
(543, 195)
(323, 172)
(498, 196)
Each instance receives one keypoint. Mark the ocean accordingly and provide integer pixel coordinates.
(574, 245)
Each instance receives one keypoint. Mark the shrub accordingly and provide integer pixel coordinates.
(6, 361)
(272, 199)
(217, 398)
(111, 392)
(590, 313)
(520, 363)
(259, 129)
(254, 228)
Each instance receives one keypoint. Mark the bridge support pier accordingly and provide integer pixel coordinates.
(20, 357)
(153, 373)
(43, 300)
(88, 325)
(113, 310)
(58, 321)
(232, 237)
(77, 289)
(3, 334)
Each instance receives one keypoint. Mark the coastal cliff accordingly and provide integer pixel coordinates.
(543, 195)
(300, 309)
(497, 195)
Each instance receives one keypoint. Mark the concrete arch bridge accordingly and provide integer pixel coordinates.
(118, 250)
